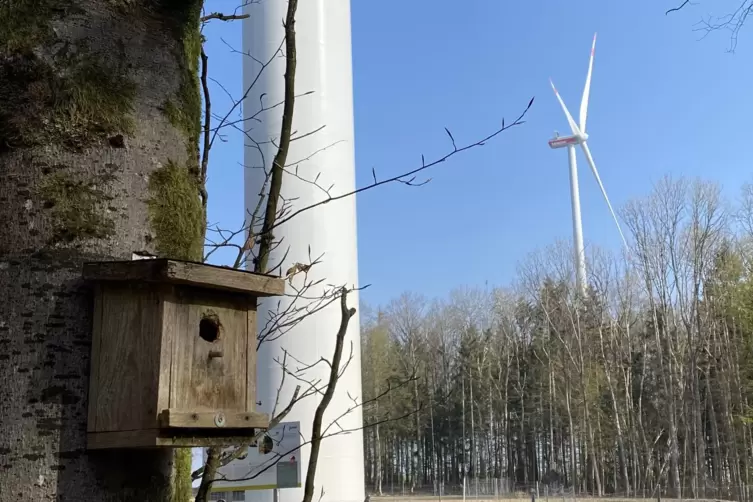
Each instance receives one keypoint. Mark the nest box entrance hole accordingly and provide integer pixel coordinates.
(210, 328)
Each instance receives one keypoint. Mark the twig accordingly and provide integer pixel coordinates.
(207, 124)
(264, 66)
(273, 461)
(675, 9)
(390, 388)
(224, 17)
(401, 177)
(732, 22)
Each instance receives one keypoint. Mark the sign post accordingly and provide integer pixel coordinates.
(271, 464)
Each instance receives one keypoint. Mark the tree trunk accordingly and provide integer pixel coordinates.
(378, 455)
(573, 465)
(616, 414)
(99, 122)
(419, 460)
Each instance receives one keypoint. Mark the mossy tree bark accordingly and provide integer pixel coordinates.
(99, 122)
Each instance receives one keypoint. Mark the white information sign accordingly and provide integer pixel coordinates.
(274, 462)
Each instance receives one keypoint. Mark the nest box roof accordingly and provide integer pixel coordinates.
(163, 270)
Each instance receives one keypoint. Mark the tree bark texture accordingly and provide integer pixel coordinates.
(99, 120)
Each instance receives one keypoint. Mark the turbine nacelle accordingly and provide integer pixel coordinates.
(563, 141)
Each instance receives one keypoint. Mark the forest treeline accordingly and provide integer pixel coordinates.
(645, 385)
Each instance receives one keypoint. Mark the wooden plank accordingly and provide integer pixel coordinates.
(166, 347)
(153, 438)
(208, 419)
(121, 439)
(237, 437)
(251, 356)
(129, 358)
(225, 278)
(91, 423)
(199, 380)
(134, 270)
(183, 272)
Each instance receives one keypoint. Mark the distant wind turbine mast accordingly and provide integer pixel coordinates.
(579, 137)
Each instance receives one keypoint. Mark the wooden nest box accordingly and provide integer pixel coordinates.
(174, 354)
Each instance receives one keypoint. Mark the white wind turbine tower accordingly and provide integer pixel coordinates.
(579, 137)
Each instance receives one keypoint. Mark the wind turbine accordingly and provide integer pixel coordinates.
(579, 137)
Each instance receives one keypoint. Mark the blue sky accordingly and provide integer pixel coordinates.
(662, 101)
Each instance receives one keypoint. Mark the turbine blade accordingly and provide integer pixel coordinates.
(573, 125)
(590, 160)
(587, 89)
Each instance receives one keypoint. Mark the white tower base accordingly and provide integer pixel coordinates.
(578, 249)
(324, 69)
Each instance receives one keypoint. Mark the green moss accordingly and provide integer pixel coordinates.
(26, 23)
(68, 96)
(176, 213)
(182, 491)
(78, 207)
(181, 112)
(184, 109)
(86, 103)
(99, 100)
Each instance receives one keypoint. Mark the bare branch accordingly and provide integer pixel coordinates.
(278, 164)
(207, 124)
(278, 456)
(679, 7)
(334, 375)
(228, 17)
(264, 66)
(390, 388)
(408, 177)
(224, 17)
(732, 22)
